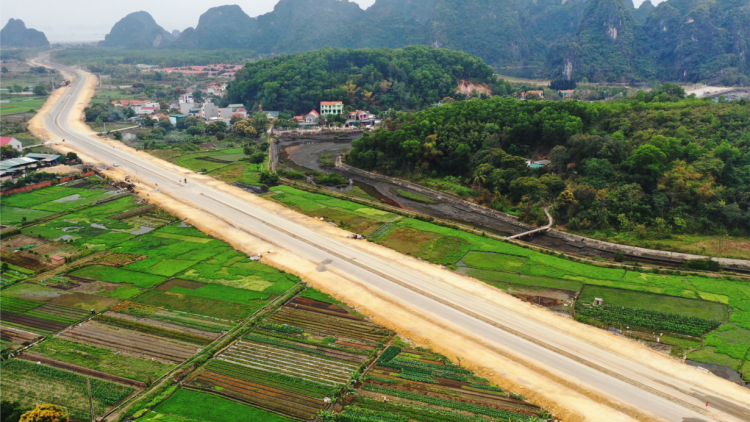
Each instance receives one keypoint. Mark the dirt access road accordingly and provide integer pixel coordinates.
(576, 371)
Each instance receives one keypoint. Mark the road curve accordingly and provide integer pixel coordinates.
(658, 394)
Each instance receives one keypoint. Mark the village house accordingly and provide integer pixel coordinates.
(139, 107)
(271, 115)
(331, 108)
(309, 120)
(12, 142)
(187, 98)
(364, 118)
(209, 111)
(566, 94)
(227, 113)
(532, 94)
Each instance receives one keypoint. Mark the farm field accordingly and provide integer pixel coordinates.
(209, 160)
(409, 384)
(30, 384)
(187, 405)
(306, 351)
(21, 104)
(547, 279)
(162, 291)
(347, 215)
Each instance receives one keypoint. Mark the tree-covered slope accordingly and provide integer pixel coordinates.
(412, 77)
(701, 39)
(223, 27)
(657, 160)
(610, 46)
(15, 34)
(137, 30)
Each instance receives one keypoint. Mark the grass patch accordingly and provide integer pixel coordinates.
(122, 292)
(710, 356)
(210, 408)
(319, 296)
(498, 262)
(117, 275)
(730, 340)
(414, 196)
(102, 359)
(507, 281)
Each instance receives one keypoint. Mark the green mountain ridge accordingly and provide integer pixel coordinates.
(597, 40)
(137, 30)
(15, 34)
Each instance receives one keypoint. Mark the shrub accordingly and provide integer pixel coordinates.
(619, 257)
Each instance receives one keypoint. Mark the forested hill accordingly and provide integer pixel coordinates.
(679, 40)
(372, 79)
(15, 34)
(656, 161)
(137, 30)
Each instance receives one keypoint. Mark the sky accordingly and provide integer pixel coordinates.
(91, 20)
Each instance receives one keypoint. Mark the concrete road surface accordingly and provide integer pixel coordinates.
(626, 381)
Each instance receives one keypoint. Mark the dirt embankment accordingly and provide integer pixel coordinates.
(469, 88)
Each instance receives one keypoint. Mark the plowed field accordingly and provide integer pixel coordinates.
(131, 342)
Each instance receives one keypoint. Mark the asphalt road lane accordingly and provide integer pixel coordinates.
(624, 380)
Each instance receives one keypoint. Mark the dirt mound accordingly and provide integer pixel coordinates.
(469, 88)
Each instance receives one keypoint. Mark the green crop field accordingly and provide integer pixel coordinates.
(117, 275)
(210, 408)
(497, 262)
(348, 215)
(31, 384)
(101, 359)
(414, 196)
(654, 302)
(22, 104)
(194, 161)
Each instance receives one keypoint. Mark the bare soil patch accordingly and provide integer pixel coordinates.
(178, 282)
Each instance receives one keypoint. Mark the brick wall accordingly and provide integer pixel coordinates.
(45, 184)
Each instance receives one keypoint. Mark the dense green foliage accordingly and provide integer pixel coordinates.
(660, 321)
(657, 161)
(379, 79)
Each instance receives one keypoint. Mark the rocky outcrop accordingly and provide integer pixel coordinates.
(15, 34)
(137, 30)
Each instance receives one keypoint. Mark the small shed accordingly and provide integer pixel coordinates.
(598, 301)
(57, 260)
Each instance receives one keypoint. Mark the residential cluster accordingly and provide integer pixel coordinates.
(187, 106)
(333, 109)
(16, 167)
(221, 70)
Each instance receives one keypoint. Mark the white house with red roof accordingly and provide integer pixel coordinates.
(12, 142)
(308, 120)
(328, 108)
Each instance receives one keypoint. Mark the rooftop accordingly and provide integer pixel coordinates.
(5, 140)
